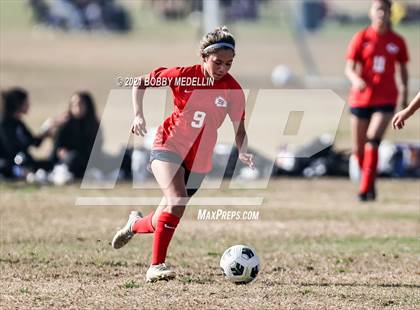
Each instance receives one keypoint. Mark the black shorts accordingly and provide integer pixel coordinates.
(366, 113)
(192, 180)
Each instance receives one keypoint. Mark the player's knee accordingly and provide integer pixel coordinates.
(177, 200)
(358, 152)
(191, 191)
(177, 210)
(374, 142)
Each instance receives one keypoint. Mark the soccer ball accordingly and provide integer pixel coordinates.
(240, 264)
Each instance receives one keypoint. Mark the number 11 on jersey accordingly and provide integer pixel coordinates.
(379, 64)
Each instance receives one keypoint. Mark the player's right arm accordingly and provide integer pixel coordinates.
(353, 58)
(139, 123)
(356, 81)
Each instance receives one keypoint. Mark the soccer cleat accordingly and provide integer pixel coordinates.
(159, 272)
(369, 196)
(125, 234)
(363, 197)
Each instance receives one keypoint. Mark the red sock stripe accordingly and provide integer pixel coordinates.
(370, 164)
(165, 229)
(144, 225)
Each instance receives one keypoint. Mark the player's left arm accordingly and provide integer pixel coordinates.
(404, 81)
(241, 139)
(403, 58)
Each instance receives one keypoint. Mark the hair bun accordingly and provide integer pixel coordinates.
(225, 29)
(219, 35)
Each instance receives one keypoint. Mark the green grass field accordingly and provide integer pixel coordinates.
(52, 65)
(319, 247)
(322, 249)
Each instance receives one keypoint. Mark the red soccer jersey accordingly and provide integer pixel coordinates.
(377, 53)
(191, 130)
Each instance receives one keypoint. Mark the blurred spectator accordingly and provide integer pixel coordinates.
(412, 13)
(76, 136)
(115, 17)
(171, 9)
(402, 12)
(241, 9)
(82, 15)
(41, 11)
(232, 9)
(16, 138)
(64, 14)
(313, 14)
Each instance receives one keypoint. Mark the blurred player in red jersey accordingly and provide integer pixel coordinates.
(183, 147)
(398, 121)
(371, 60)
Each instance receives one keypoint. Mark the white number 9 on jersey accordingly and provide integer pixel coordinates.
(198, 119)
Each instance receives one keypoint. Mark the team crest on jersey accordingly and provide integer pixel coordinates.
(392, 48)
(220, 102)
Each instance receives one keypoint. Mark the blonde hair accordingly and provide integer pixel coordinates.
(218, 35)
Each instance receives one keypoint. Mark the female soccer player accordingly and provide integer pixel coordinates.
(183, 147)
(398, 122)
(371, 59)
(76, 135)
